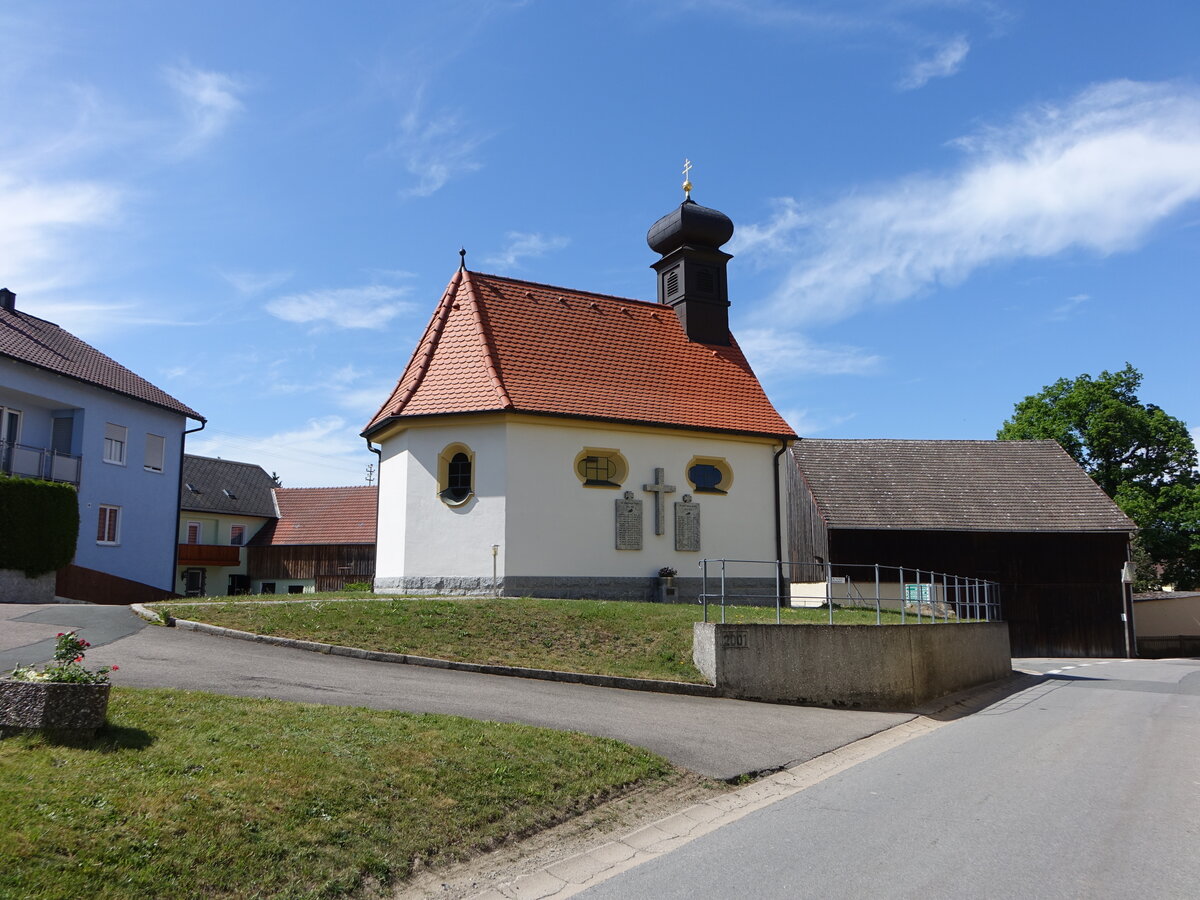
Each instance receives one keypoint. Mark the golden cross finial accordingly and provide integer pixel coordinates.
(687, 182)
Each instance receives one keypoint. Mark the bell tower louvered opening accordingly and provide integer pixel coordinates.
(691, 272)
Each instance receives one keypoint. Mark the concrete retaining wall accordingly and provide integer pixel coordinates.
(864, 666)
(16, 588)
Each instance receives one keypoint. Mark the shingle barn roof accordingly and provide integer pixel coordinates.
(225, 486)
(43, 344)
(333, 515)
(497, 344)
(954, 486)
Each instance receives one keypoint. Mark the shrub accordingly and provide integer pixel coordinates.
(40, 524)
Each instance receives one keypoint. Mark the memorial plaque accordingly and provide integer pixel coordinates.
(687, 525)
(629, 523)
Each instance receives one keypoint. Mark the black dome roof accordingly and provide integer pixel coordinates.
(692, 224)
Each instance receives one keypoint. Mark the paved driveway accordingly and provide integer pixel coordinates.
(718, 738)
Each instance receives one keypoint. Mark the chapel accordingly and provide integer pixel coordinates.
(550, 441)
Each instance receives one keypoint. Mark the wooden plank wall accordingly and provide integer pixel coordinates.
(808, 536)
(81, 583)
(1061, 593)
(332, 565)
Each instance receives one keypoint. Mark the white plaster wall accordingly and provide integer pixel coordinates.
(556, 526)
(391, 527)
(1169, 617)
(420, 535)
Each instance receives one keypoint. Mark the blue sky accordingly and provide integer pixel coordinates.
(941, 205)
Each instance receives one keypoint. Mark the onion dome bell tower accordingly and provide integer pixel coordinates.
(691, 273)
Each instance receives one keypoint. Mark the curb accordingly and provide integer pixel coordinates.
(406, 659)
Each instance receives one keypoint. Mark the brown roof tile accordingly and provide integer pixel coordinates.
(498, 344)
(334, 515)
(954, 486)
(37, 342)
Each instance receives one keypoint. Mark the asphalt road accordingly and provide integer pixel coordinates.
(1086, 784)
(718, 738)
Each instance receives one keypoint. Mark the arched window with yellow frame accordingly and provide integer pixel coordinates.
(709, 475)
(601, 467)
(456, 474)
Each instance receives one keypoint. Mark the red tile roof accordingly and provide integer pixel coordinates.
(498, 344)
(334, 515)
(954, 486)
(43, 344)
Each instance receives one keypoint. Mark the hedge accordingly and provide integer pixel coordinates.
(39, 525)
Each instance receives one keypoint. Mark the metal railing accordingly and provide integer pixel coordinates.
(38, 462)
(928, 596)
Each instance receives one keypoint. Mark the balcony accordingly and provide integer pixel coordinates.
(37, 462)
(208, 555)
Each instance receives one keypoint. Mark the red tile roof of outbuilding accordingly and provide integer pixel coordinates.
(498, 344)
(333, 515)
(43, 344)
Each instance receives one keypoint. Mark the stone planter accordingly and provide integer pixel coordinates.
(667, 592)
(34, 704)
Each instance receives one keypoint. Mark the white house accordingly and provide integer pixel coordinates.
(70, 413)
(548, 441)
(223, 504)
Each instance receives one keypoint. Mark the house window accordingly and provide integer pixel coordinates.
(267, 587)
(10, 425)
(194, 531)
(156, 451)
(115, 438)
(237, 535)
(601, 467)
(10, 433)
(456, 474)
(108, 525)
(709, 475)
(295, 589)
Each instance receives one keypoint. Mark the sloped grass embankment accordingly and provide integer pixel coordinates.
(185, 794)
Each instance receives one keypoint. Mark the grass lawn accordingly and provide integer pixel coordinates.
(185, 794)
(637, 640)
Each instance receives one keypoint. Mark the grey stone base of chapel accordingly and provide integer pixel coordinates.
(739, 591)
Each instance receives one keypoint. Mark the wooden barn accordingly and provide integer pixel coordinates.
(1022, 514)
(323, 540)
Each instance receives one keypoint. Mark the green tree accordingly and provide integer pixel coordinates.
(1142, 457)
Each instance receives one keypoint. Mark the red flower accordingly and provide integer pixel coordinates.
(78, 659)
(114, 668)
(60, 634)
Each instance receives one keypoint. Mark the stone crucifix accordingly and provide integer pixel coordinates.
(660, 490)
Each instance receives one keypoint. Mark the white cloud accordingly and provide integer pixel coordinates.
(521, 245)
(359, 307)
(434, 150)
(250, 283)
(40, 219)
(1063, 311)
(324, 452)
(945, 62)
(774, 352)
(1095, 174)
(210, 101)
(806, 422)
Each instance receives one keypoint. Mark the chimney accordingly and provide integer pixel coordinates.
(691, 273)
(8, 300)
